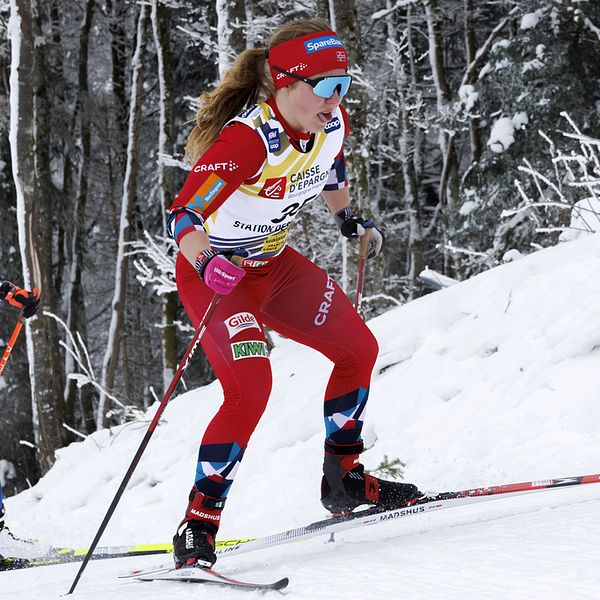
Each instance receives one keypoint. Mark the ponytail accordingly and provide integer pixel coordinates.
(245, 84)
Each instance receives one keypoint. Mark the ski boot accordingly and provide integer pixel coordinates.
(194, 542)
(345, 485)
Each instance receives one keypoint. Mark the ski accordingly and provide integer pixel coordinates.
(56, 556)
(376, 515)
(327, 526)
(194, 574)
(423, 505)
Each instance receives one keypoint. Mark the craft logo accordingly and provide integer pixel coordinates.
(274, 188)
(240, 322)
(333, 125)
(207, 192)
(299, 67)
(323, 312)
(226, 166)
(322, 43)
(250, 349)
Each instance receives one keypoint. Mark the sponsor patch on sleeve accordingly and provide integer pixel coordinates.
(207, 192)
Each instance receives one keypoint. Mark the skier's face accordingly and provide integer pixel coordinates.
(303, 109)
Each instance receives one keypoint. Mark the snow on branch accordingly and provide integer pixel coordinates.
(575, 187)
(380, 14)
(434, 280)
(76, 348)
(155, 262)
(595, 30)
(482, 52)
(170, 161)
(387, 297)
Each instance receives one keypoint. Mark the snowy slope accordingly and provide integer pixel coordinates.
(491, 381)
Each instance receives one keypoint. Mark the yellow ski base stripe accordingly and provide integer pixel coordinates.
(143, 548)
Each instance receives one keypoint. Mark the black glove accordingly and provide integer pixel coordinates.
(355, 227)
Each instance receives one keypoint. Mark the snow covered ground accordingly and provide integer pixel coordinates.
(492, 381)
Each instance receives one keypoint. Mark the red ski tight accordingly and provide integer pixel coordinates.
(300, 301)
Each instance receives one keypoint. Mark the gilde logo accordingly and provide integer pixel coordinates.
(274, 188)
(240, 322)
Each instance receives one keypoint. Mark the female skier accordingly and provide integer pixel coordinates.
(253, 172)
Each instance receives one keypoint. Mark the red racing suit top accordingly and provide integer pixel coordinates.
(247, 188)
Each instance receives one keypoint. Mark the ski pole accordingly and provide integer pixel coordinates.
(138, 455)
(12, 341)
(363, 250)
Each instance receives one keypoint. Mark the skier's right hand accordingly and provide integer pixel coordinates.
(218, 272)
(20, 298)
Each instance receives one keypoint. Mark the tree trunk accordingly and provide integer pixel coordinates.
(344, 20)
(166, 185)
(29, 149)
(449, 179)
(76, 321)
(16, 441)
(111, 356)
(408, 147)
(231, 39)
(471, 48)
(343, 14)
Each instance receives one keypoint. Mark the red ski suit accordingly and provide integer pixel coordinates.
(282, 290)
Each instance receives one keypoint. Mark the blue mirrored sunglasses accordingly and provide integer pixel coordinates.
(324, 87)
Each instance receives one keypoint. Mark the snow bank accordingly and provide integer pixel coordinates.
(491, 380)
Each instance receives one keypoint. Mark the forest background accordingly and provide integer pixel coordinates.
(475, 130)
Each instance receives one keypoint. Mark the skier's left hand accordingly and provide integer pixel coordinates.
(355, 227)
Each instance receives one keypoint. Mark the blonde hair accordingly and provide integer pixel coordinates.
(247, 82)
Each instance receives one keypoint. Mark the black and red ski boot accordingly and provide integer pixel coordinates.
(345, 485)
(194, 542)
